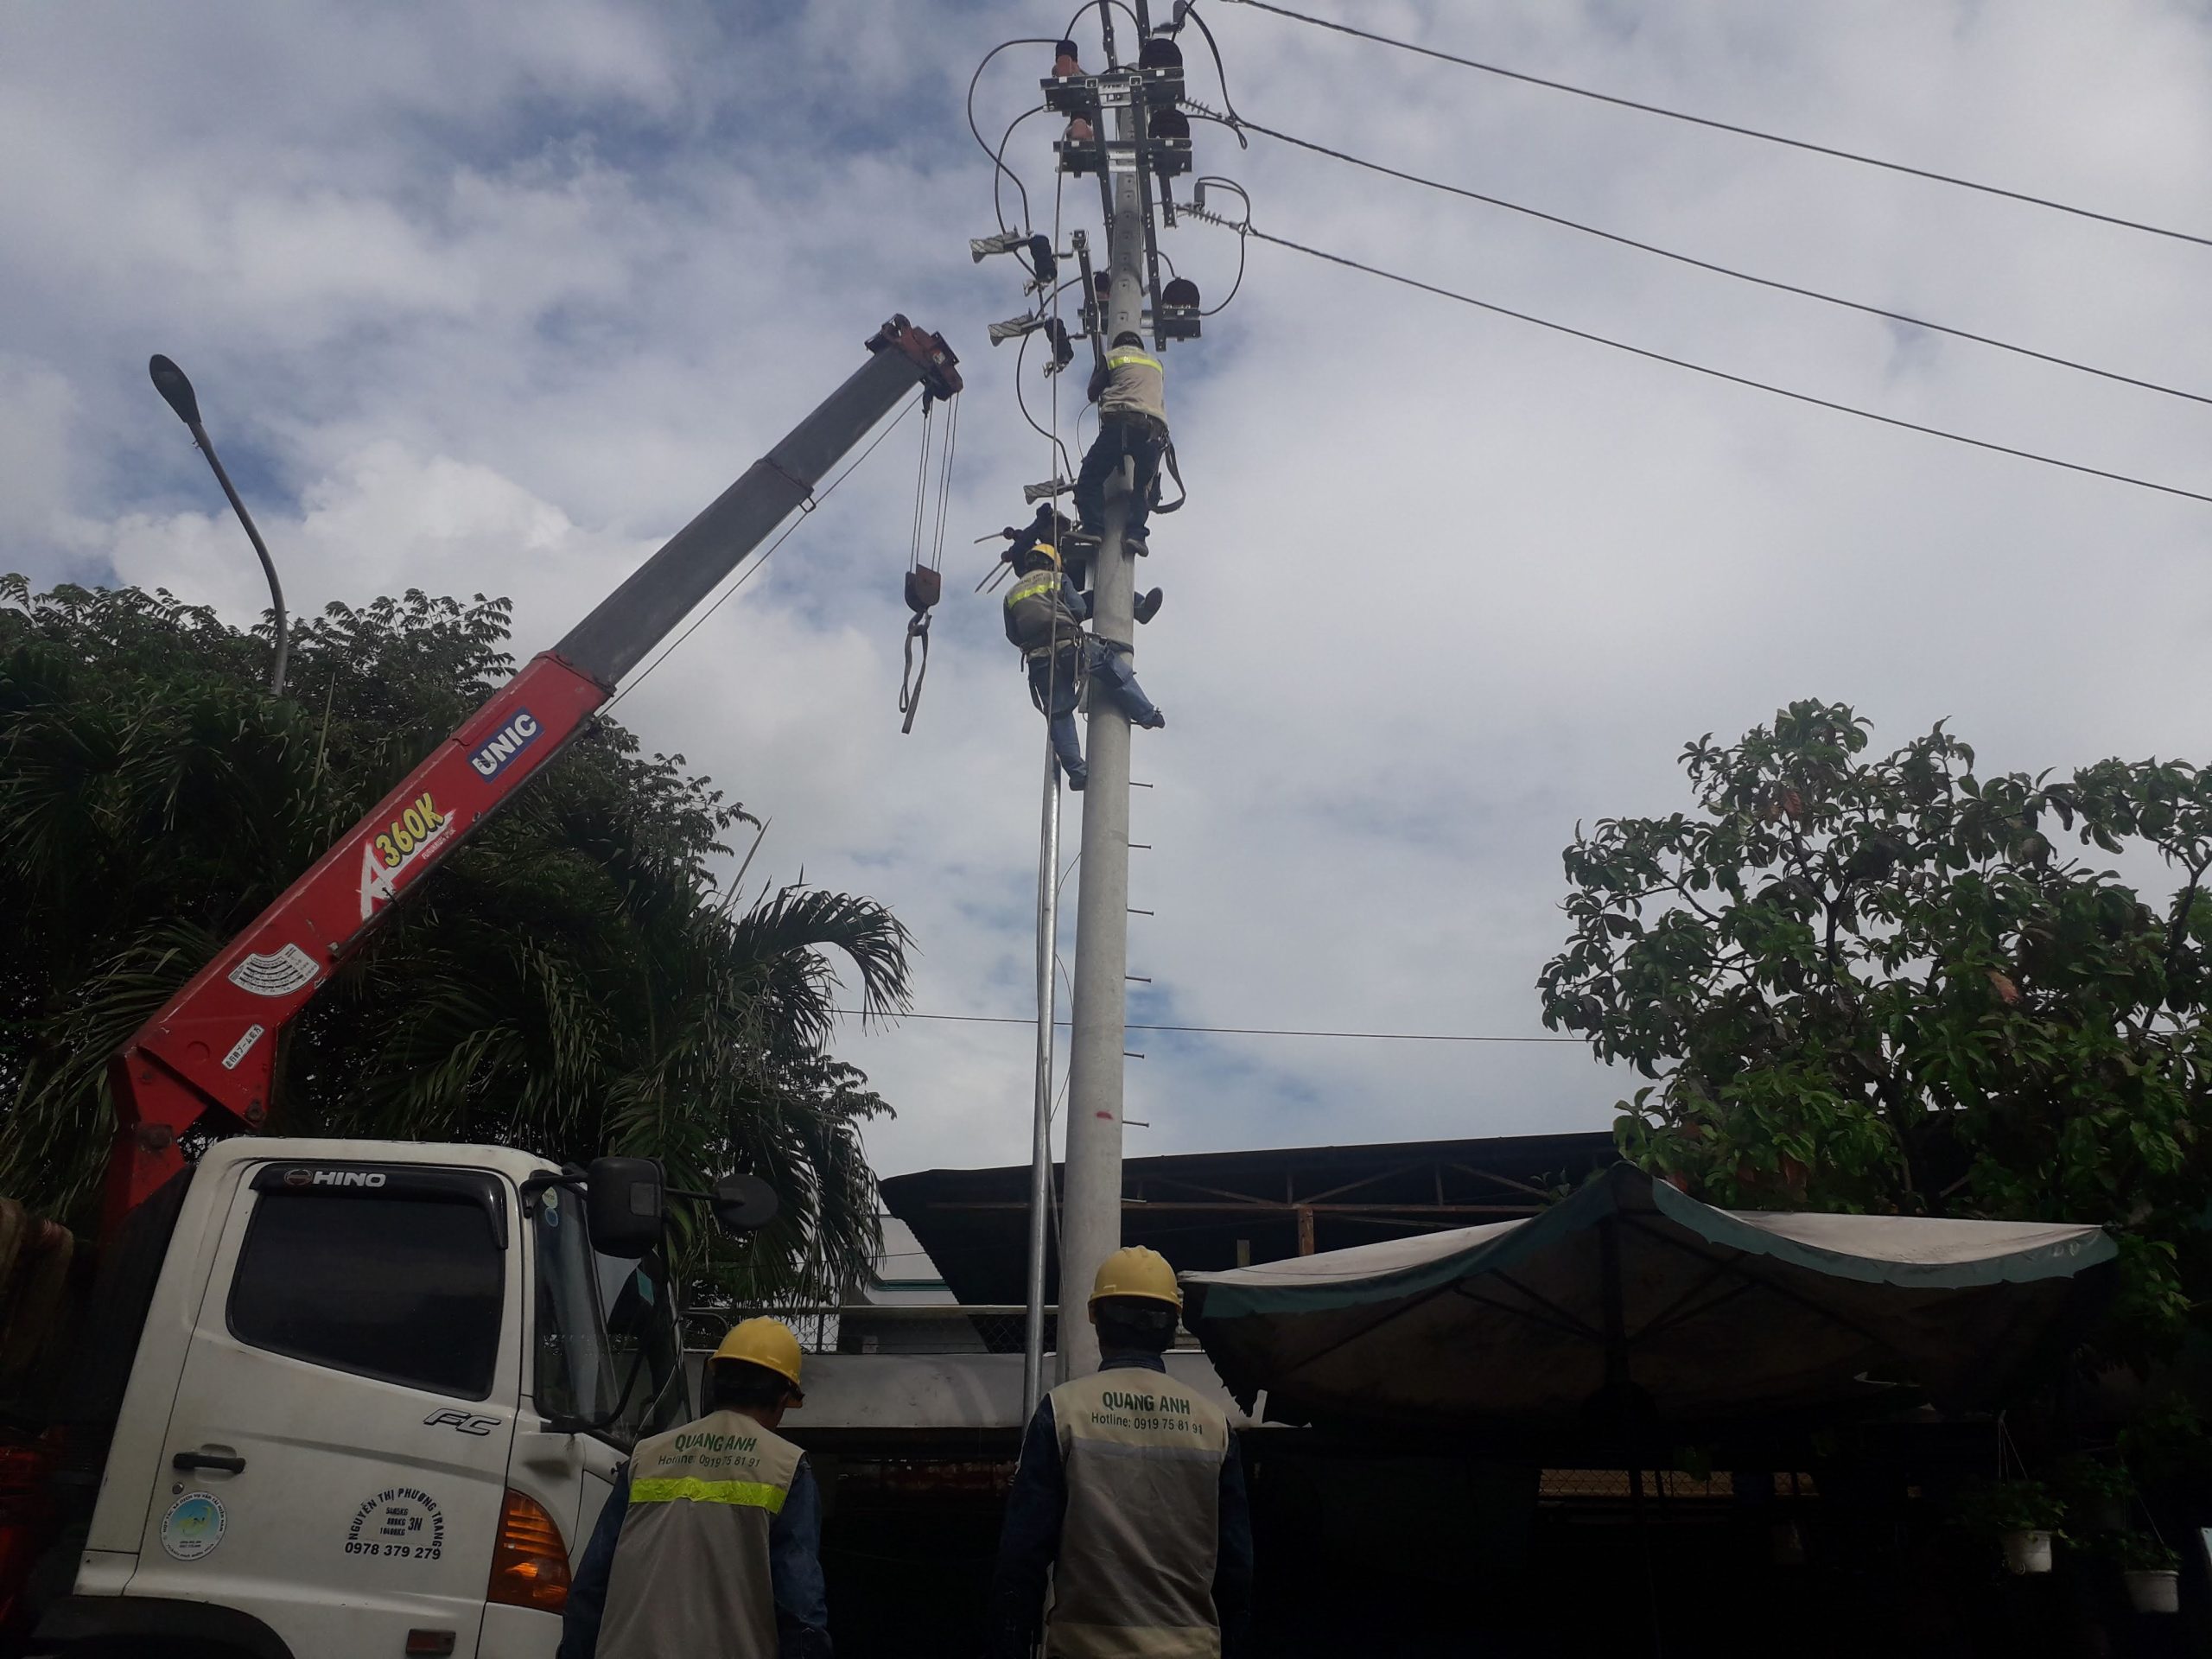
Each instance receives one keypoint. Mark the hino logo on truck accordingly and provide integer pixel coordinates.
(509, 741)
(368, 1177)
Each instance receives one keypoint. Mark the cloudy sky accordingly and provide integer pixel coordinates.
(492, 298)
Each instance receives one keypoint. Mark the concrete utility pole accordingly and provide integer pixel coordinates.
(1091, 1206)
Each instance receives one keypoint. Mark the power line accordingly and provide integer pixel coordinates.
(1715, 267)
(1730, 126)
(1247, 229)
(1238, 1031)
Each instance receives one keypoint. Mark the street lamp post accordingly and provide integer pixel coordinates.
(170, 380)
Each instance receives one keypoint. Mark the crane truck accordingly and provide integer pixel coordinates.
(332, 1399)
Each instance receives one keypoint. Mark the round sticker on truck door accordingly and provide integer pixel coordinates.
(193, 1525)
(401, 1523)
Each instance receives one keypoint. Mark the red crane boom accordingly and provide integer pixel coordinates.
(212, 1048)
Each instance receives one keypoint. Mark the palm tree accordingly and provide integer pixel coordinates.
(570, 980)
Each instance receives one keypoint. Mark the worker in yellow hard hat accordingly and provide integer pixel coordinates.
(1129, 1496)
(710, 1543)
(1044, 613)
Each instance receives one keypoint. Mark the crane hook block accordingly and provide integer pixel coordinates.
(924, 587)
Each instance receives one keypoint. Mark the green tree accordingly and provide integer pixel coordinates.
(1878, 983)
(570, 980)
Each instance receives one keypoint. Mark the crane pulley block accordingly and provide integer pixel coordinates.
(936, 359)
(924, 587)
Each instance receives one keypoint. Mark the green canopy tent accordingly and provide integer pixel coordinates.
(1631, 1306)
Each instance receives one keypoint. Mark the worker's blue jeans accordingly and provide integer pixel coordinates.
(1055, 693)
(1110, 671)
(1116, 438)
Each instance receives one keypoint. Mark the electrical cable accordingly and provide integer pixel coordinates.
(1068, 34)
(983, 143)
(1240, 1031)
(806, 511)
(1021, 353)
(1199, 185)
(1247, 229)
(1729, 126)
(1726, 270)
(1232, 120)
(1020, 255)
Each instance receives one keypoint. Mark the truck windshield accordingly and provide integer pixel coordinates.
(607, 1335)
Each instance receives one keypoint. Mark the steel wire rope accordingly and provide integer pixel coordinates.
(1050, 989)
(1246, 228)
(1054, 1098)
(1717, 268)
(806, 511)
(1739, 130)
(921, 487)
(945, 483)
(917, 626)
(1060, 193)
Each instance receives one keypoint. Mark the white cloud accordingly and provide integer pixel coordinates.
(480, 299)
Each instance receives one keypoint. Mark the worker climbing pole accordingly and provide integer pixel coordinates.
(1126, 125)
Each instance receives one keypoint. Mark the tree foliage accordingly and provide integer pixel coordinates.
(1885, 983)
(570, 980)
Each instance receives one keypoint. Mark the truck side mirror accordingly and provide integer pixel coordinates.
(744, 1203)
(626, 1202)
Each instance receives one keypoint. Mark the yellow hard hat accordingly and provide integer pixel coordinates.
(768, 1343)
(1049, 551)
(1136, 1271)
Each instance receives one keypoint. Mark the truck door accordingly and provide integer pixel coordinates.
(605, 1352)
(337, 1455)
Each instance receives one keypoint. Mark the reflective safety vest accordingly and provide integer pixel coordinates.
(1036, 610)
(1135, 384)
(1142, 1531)
(690, 1572)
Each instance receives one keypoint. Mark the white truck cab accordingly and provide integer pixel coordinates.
(376, 1404)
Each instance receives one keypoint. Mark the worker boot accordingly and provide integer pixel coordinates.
(1147, 605)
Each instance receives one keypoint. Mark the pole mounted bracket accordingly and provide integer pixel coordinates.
(1165, 151)
(928, 352)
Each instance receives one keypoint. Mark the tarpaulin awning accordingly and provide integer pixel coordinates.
(1630, 1303)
